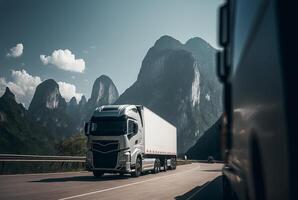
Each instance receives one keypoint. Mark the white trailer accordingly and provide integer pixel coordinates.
(129, 139)
(160, 135)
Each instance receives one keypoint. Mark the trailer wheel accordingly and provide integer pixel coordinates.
(173, 164)
(97, 174)
(138, 168)
(156, 167)
(165, 167)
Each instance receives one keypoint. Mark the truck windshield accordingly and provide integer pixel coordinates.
(105, 127)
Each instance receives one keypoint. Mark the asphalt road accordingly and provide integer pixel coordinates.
(192, 181)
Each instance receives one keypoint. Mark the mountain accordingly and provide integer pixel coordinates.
(49, 109)
(104, 92)
(64, 119)
(207, 145)
(74, 112)
(73, 102)
(47, 96)
(72, 107)
(178, 82)
(82, 102)
(18, 134)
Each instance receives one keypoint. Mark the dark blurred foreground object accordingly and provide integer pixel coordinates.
(258, 67)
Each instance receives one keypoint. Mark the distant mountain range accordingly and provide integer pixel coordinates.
(18, 132)
(62, 119)
(177, 81)
(49, 118)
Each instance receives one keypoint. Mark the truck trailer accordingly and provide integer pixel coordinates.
(129, 139)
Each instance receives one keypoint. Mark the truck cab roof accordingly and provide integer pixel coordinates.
(115, 110)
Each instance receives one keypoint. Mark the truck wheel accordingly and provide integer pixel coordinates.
(138, 168)
(97, 174)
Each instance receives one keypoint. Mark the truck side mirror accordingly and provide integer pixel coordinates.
(223, 31)
(86, 128)
(222, 57)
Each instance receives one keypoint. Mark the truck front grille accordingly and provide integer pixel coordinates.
(105, 154)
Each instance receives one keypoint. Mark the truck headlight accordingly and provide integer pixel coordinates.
(127, 156)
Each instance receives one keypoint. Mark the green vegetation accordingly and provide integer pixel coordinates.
(72, 146)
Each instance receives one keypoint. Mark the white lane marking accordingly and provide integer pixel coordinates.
(126, 185)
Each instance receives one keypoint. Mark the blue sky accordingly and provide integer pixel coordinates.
(74, 42)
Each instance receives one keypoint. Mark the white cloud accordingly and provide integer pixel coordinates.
(22, 85)
(16, 51)
(68, 91)
(64, 60)
(2, 85)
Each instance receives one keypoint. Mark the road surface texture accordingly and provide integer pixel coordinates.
(192, 181)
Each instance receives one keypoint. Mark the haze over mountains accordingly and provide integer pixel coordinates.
(176, 81)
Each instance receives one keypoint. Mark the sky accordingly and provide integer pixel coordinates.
(76, 41)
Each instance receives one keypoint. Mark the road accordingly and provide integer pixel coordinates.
(186, 182)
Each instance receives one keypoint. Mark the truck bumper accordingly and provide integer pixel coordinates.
(124, 168)
(121, 163)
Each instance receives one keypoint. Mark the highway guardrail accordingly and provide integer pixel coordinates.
(39, 158)
(15, 163)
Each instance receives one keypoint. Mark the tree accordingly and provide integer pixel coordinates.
(72, 146)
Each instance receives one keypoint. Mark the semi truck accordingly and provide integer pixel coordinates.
(258, 68)
(129, 139)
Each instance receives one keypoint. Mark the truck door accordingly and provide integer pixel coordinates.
(135, 139)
